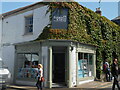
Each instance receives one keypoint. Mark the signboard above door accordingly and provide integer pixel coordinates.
(60, 18)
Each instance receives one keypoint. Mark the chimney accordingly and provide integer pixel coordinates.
(98, 11)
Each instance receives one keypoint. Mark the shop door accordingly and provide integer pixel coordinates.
(58, 68)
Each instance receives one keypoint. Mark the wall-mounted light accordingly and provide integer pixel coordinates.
(71, 48)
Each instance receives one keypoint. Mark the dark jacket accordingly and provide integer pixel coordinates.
(114, 69)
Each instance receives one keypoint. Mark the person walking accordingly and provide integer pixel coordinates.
(106, 70)
(114, 71)
(108, 76)
(39, 76)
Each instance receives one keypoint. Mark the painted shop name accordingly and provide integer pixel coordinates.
(60, 19)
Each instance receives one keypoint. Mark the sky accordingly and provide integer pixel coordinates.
(109, 8)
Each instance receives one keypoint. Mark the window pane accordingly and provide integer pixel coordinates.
(80, 56)
(20, 65)
(35, 59)
(29, 24)
(28, 62)
(91, 68)
(30, 28)
(85, 65)
(80, 69)
(90, 59)
(86, 56)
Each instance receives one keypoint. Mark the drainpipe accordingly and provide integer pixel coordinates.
(1, 36)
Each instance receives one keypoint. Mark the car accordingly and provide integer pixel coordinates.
(5, 75)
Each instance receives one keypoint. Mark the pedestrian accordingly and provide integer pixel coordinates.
(39, 76)
(106, 69)
(114, 71)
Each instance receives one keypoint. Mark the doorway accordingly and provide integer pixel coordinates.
(58, 65)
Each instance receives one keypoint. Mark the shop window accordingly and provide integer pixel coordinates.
(85, 65)
(80, 56)
(27, 65)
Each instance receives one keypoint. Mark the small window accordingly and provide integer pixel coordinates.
(29, 24)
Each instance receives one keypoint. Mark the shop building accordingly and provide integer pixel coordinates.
(65, 62)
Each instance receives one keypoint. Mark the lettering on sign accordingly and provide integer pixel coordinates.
(60, 19)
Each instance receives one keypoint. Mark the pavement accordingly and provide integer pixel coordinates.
(94, 85)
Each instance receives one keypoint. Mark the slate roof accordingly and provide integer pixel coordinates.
(116, 20)
(20, 9)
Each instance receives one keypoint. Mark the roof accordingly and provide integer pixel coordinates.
(20, 9)
(44, 2)
(54, 40)
(116, 20)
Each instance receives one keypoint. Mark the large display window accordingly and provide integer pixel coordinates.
(27, 65)
(85, 65)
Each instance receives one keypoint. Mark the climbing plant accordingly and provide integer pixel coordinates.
(87, 27)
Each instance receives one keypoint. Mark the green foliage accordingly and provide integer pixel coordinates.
(87, 27)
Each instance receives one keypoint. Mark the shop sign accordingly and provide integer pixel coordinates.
(60, 18)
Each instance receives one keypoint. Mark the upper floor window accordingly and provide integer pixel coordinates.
(29, 24)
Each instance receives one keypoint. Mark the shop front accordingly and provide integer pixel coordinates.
(65, 63)
(86, 65)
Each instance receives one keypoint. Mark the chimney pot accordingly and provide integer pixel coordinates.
(98, 11)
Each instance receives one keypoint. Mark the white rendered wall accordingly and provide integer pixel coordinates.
(13, 32)
(8, 58)
(0, 38)
(14, 26)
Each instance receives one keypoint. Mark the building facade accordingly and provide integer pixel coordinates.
(65, 62)
(14, 30)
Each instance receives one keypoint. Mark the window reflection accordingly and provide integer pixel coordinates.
(27, 65)
(85, 65)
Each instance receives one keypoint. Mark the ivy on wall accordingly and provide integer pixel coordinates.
(87, 27)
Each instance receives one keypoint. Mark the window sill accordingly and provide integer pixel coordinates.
(26, 34)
